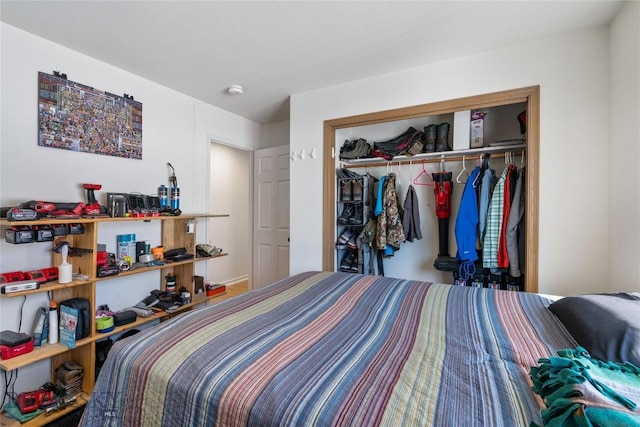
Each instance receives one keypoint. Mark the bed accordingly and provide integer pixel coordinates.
(336, 349)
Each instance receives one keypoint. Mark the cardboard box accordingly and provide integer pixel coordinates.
(461, 130)
(477, 133)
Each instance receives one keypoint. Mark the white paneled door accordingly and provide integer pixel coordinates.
(271, 215)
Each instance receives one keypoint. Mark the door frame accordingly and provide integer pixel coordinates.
(530, 95)
(216, 140)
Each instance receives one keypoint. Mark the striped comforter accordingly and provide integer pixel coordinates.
(335, 349)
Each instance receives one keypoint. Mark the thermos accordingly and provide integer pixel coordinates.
(163, 195)
(171, 283)
(175, 198)
(53, 322)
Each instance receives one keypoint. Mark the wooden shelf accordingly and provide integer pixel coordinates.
(48, 350)
(50, 286)
(40, 353)
(81, 400)
(87, 220)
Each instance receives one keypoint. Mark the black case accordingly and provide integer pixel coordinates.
(83, 328)
(12, 339)
(124, 317)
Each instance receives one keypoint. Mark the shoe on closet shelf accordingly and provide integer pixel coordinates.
(347, 213)
(352, 244)
(357, 188)
(442, 137)
(344, 238)
(349, 258)
(346, 190)
(356, 218)
(430, 139)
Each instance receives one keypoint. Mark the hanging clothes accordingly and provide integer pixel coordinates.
(411, 216)
(379, 206)
(509, 185)
(494, 225)
(466, 228)
(483, 202)
(515, 216)
(389, 232)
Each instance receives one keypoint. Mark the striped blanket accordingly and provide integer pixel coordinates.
(335, 349)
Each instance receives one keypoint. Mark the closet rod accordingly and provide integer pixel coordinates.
(406, 161)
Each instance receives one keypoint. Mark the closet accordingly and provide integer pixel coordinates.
(415, 260)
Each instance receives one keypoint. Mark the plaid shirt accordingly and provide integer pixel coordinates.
(494, 224)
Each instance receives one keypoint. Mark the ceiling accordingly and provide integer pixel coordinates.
(277, 48)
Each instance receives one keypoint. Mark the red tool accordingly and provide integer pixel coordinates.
(442, 189)
(54, 208)
(92, 207)
(32, 400)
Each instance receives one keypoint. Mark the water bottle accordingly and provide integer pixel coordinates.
(53, 322)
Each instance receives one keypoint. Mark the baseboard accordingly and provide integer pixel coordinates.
(242, 280)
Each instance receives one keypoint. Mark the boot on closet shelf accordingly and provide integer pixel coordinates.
(347, 213)
(430, 139)
(442, 137)
(344, 238)
(346, 190)
(348, 260)
(357, 190)
(356, 218)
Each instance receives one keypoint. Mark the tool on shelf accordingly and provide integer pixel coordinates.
(93, 207)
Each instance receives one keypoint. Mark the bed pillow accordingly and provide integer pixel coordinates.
(607, 325)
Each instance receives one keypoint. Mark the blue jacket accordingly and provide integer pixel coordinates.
(467, 221)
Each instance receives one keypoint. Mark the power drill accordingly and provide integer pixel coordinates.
(92, 207)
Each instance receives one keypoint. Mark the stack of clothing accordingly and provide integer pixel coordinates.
(583, 391)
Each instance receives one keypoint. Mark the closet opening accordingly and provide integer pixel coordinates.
(374, 126)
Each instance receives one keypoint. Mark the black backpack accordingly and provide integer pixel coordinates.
(83, 327)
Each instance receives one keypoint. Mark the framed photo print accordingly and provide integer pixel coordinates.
(76, 117)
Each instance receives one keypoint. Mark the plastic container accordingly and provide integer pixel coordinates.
(126, 246)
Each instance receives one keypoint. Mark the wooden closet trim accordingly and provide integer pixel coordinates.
(530, 95)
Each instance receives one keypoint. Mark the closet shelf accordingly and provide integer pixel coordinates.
(434, 157)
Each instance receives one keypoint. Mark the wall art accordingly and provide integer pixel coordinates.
(76, 117)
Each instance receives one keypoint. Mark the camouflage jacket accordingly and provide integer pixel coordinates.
(389, 229)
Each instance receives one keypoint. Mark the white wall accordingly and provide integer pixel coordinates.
(176, 129)
(274, 134)
(573, 78)
(230, 193)
(624, 153)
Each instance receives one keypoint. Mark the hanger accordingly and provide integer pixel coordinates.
(483, 162)
(464, 170)
(522, 163)
(422, 173)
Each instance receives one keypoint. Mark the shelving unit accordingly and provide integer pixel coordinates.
(174, 234)
(362, 211)
(382, 125)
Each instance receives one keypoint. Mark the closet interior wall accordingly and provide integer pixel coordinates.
(415, 260)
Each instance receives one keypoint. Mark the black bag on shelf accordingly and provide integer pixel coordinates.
(124, 317)
(83, 327)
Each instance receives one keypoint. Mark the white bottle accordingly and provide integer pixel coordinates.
(53, 322)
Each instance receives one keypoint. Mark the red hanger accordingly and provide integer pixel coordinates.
(422, 173)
